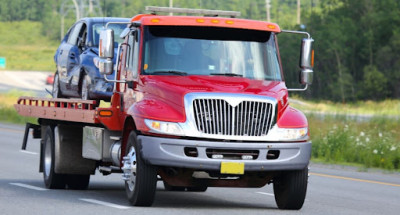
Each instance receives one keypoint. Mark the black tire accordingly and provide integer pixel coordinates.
(201, 188)
(168, 187)
(141, 187)
(78, 182)
(51, 179)
(290, 189)
(56, 92)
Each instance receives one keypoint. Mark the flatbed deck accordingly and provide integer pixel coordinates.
(75, 110)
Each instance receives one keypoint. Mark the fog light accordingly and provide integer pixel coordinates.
(247, 157)
(217, 156)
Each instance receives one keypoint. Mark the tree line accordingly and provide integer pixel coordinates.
(357, 43)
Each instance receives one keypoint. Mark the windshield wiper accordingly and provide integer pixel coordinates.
(170, 72)
(227, 74)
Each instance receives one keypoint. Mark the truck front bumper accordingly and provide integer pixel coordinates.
(171, 153)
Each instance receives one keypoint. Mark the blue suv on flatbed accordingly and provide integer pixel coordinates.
(77, 75)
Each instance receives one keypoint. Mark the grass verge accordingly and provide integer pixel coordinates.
(386, 107)
(24, 47)
(7, 110)
(375, 143)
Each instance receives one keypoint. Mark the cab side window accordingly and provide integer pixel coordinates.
(133, 56)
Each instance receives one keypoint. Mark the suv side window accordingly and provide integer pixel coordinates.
(73, 36)
(82, 37)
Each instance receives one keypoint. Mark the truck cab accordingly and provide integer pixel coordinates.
(207, 105)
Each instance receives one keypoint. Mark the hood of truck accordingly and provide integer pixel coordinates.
(172, 89)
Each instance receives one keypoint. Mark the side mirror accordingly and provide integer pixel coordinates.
(105, 66)
(106, 51)
(106, 43)
(306, 76)
(306, 61)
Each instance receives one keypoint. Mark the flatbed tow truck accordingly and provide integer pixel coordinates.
(218, 117)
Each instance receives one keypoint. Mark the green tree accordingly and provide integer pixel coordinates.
(374, 84)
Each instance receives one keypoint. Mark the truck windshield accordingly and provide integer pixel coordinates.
(186, 50)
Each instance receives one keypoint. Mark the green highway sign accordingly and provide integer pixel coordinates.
(2, 62)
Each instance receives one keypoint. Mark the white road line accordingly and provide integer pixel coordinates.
(28, 152)
(28, 186)
(105, 203)
(268, 194)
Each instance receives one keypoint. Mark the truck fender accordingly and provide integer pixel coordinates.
(129, 126)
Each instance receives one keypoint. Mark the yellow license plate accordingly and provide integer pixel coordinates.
(232, 168)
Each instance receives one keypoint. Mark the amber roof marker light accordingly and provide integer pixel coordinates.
(155, 10)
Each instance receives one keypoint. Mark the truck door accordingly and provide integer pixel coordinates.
(69, 58)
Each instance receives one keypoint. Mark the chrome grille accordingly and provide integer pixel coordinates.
(248, 118)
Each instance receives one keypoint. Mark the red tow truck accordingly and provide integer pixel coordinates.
(199, 101)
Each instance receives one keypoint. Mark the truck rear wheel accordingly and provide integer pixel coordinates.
(52, 180)
(290, 189)
(140, 178)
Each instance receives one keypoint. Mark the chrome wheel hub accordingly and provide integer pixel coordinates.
(129, 169)
(47, 159)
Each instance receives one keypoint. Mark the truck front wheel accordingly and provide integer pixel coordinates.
(140, 178)
(290, 189)
(52, 180)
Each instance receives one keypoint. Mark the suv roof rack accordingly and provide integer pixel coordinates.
(154, 10)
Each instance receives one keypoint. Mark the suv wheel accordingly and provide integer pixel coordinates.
(85, 88)
(56, 93)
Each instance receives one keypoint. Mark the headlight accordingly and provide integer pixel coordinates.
(170, 128)
(288, 134)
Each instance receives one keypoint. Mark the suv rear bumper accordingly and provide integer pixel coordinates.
(171, 152)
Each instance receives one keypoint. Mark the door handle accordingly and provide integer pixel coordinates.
(72, 55)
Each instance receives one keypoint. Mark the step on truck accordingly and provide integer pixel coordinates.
(199, 101)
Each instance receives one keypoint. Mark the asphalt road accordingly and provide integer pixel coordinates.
(32, 82)
(332, 190)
